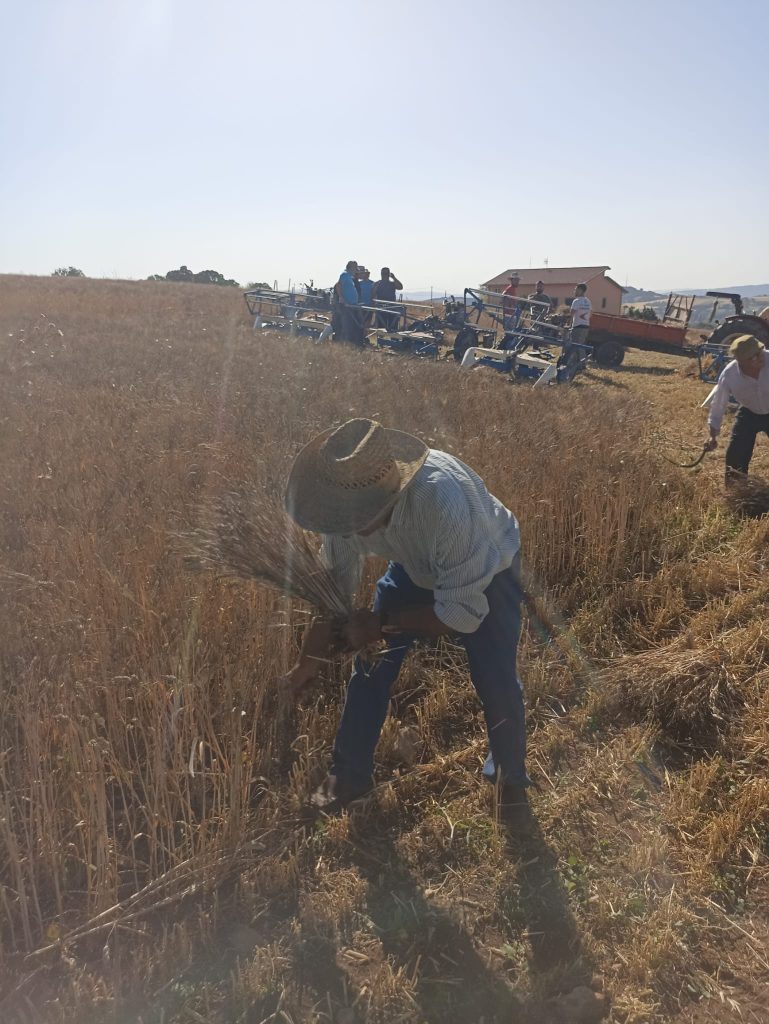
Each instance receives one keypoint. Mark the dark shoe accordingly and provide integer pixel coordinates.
(513, 808)
(333, 795)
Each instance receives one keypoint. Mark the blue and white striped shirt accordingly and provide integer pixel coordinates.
(449, 534)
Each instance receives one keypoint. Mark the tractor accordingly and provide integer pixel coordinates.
(740, 323)
(713, 354)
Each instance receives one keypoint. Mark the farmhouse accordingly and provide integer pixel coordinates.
(603, 292)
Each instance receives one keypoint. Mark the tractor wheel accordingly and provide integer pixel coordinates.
(735, 325)
(608, 354)
(464, 340)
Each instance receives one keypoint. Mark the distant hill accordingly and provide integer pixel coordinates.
(422, 296)
(745, 290)
(630, 295)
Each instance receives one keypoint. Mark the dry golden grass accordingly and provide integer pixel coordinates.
(250, 537)
(155, 863)
(749, 497)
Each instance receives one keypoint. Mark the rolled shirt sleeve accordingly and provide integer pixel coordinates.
(345, 563)
(464, 566)
(719, 403)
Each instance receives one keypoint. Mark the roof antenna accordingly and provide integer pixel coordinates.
(547, 262)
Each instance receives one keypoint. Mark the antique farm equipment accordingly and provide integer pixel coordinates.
(515, 335)
(297, 312)
(713, 354)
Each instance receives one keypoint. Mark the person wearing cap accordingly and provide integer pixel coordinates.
(366, 292)
(745, 378)
(453, 553)
(366, 286)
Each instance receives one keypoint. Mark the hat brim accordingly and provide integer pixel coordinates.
(317, 505)
(744, 341)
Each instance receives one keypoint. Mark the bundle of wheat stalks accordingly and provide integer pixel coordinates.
(747, 496)
(250, 536)
(688, 692)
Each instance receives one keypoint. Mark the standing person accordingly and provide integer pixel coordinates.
(510, 309)
(384, 290)
(387, 285)
(366, 286)
(347, 292)
(454, 569)
(746, 378)
(539, 296)
(336, 312)
(366, 291)
(581, 308)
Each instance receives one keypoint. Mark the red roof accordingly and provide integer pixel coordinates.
(549, 275)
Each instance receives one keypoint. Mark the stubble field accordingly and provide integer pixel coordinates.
(155, 861)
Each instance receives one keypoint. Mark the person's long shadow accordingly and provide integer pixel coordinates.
(555, 944)
(453, 981)
(604, 378)
(649, 371)
(453, 984)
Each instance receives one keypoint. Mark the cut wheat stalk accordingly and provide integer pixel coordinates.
(177, 884)
(250, 536)
(689, 692)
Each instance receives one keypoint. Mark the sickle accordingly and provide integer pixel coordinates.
(687, 465)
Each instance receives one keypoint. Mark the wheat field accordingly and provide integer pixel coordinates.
(156, 862)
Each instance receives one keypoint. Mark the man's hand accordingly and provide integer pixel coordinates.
(362, 629)
(711, 444)
(317, 644)
(301, 678)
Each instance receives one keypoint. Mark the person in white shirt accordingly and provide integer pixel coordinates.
(746, 379)
(581, 308)
(453, 553)
(580, 324)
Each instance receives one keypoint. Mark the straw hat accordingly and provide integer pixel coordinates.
(348, 476)
(744, 346)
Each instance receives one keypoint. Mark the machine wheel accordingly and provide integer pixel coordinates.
(609, 354)
(735, 325)
(464, 340)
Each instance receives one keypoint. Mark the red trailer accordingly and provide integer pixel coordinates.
(610, 335)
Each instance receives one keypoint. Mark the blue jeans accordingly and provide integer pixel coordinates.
(491, 653)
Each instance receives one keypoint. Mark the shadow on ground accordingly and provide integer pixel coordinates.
(555, 944)
(649, 371)
(456, 979)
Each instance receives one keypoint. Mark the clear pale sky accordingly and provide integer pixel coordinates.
(447, 140)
